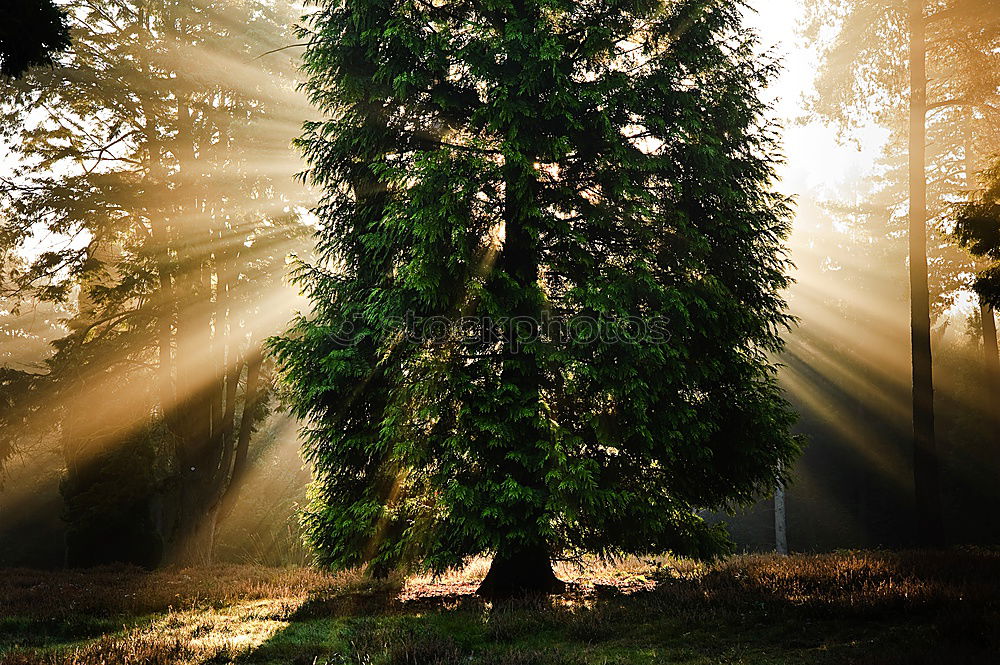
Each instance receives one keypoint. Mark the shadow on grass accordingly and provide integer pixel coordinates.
(34, 633)
(864, 609)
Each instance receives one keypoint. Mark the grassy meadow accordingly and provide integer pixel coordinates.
(854, 607)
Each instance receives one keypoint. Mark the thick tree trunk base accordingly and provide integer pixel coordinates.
(379, 571)
(525, 573)
(193, 543)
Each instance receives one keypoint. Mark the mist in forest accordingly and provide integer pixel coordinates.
(151, 217)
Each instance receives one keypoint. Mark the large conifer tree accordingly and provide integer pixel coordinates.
(551, 286)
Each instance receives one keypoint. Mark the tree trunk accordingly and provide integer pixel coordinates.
(194, 540)
(991, 360)
(231, 366)
(522, 564)
(197, 385)
(925, 457)
(521, 573)
(992, 352)
(232, 487)
(780, 521)
(525, 568)
(165, 301)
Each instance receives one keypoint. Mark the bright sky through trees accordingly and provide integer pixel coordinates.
(819, 162)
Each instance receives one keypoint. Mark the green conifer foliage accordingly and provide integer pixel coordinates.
(978, 229)
(551, 282)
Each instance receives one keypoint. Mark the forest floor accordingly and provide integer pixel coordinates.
(873, 608)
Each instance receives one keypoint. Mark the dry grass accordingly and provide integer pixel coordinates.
(870, 608)
(110, 591)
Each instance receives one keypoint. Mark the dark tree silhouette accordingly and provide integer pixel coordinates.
(31, 32)
(978, 228)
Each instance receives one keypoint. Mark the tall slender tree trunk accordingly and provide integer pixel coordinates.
(780, 520)
(522, 565)
(991, 367)
(165, 300)
(230, 362)
(234, 480)
(991, 351)
(925, 457)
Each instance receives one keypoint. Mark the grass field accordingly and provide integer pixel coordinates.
(859, 607)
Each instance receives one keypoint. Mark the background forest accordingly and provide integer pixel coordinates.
(137, 397)
(149, 215)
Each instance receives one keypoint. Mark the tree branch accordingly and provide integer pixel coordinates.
(945, 103)
(280, 48)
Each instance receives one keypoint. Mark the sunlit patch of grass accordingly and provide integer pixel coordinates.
(584, 576)
(179, 616)
(182, 636)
